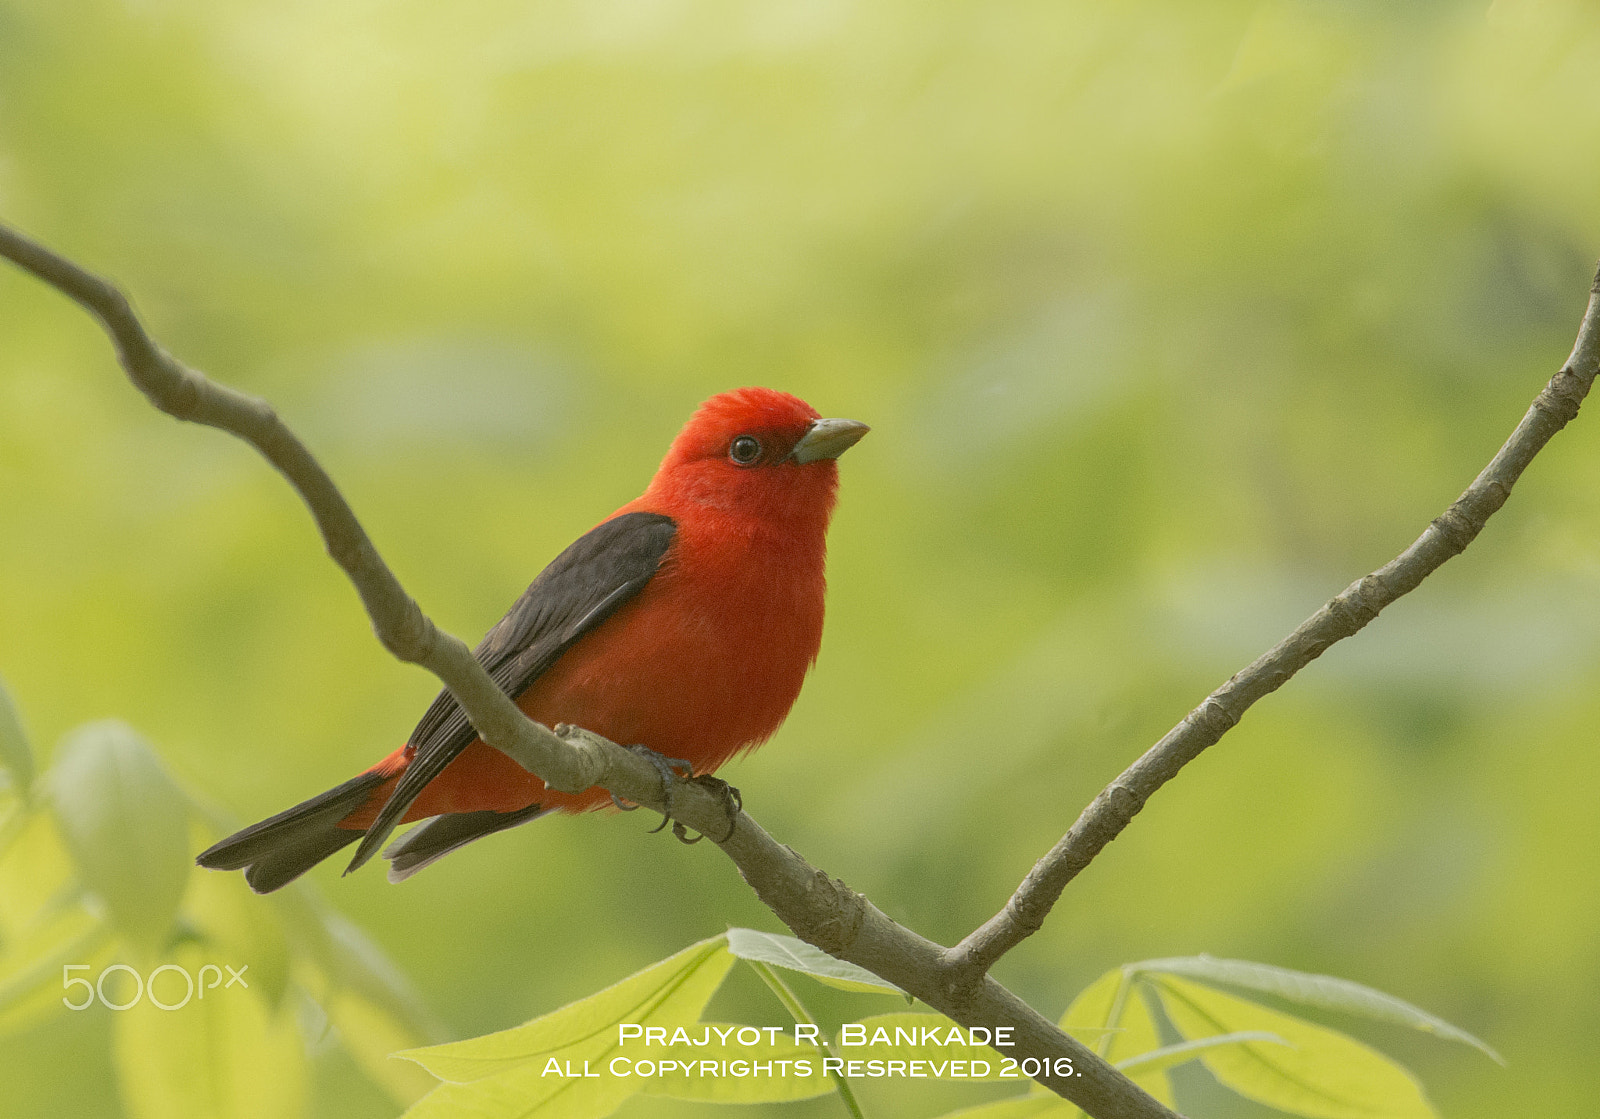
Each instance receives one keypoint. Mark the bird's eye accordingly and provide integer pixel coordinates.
(745, 450)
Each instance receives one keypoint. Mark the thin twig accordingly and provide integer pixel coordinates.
(819, 909)
(1116, 805)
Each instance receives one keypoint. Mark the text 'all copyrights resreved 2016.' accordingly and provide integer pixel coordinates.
(859, 1051)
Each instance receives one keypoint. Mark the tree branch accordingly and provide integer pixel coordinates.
(1116, 805)
(821, 910)
(397, 620)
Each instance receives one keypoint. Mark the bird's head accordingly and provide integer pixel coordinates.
(757, 450)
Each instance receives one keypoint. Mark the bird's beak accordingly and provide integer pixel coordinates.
(827, 439)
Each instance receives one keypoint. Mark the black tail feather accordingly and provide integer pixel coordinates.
(281, 848)
(437, 838)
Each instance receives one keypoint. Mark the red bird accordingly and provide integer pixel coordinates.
(684, 622)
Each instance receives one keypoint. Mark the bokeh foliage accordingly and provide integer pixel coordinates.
(1170, 320)
(103, 914)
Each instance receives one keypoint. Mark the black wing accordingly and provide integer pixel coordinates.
(581, 588)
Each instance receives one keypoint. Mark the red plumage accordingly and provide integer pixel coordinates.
(698, 610)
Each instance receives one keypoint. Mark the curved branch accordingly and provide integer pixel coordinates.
(398, 621)
(822, 910)
(1449, 533)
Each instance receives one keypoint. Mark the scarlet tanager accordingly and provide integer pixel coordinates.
(684, 622)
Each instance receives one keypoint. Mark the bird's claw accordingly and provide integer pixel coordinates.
(732, 803)
(732, 800)
(668, 769)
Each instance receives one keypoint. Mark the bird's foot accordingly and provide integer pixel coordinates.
(668, 768)
(732, 803)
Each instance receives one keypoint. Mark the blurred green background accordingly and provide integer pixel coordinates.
(1170, 320)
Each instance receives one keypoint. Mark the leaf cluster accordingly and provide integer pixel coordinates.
(96, 869)
(1147, 1018)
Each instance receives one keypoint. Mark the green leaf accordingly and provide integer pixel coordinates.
(31, 967)
(14, 813)
(239, 929)
(1325, 991)
(37, 876)
(1019, 1107)
(796, 955)
(1170, 1056)
(126, 824)
(44, 922)
(1112, 1018)
(224, 1056)
(367, 1001)
(670, 993)
(802, 1016)
(334, 955)
(1321, 1073)
(16, 758)
(371, 1034)
(556, 1066)
(732, 1082)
